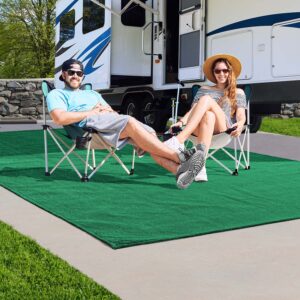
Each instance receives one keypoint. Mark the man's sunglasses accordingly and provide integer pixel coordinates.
(72, 72)
(218, 71)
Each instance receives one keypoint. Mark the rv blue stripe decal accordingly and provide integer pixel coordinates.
(295, 25)
(258, 21)
(103, 36)
(100, 45)
(64, 11)
(93, 57)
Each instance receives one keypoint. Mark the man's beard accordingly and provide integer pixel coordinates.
(67, 83)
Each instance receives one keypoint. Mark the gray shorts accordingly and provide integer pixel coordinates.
(110, 125)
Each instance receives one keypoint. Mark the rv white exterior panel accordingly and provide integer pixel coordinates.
(191, 43)
(127, 57)
(239, 44)
(86, 47)
(273, 59)
(286, 49)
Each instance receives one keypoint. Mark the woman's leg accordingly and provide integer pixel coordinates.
(204, 133)
(205, 129)
(205, 104)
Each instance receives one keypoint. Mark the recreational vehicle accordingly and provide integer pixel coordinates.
(140, 53)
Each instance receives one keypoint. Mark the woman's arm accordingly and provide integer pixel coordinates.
(240, 121)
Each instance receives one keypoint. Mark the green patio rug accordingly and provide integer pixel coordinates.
(147, 207)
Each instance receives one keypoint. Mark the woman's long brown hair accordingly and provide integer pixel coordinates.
(230, 88)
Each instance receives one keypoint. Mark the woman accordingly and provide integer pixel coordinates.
(215, 108)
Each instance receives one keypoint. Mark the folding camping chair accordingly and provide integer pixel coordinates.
(241, 144)
(81, 139)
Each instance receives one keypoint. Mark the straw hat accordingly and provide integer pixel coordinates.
(207, 66)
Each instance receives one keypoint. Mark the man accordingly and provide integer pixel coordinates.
(88, 109)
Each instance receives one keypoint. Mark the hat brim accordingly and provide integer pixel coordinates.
(207, 66)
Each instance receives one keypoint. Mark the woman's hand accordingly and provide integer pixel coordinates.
(178, 124)
(239, 128)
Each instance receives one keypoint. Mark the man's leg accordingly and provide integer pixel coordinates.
(190, 162)
(169, 165)
(147, 141)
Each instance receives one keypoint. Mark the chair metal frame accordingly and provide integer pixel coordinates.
(82, 139)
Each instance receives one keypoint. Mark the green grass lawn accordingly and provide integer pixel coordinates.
(27, 271)
(281, 126)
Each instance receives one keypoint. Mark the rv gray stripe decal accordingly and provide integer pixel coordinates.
(258, 21)
(63, 50)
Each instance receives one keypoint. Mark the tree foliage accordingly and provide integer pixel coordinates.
(27, 38)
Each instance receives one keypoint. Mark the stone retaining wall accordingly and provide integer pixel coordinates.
(290, 110)
(23, 99)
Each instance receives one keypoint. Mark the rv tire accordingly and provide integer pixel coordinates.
(148, 112)
(132, 108)
(255, 122)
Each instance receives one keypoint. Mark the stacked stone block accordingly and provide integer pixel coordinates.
(21, 99)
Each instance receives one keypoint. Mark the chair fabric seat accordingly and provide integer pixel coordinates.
(218, 140)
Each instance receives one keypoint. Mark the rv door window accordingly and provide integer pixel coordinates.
(185, 4)
(93, 16)
(67, 26)
(134, 15)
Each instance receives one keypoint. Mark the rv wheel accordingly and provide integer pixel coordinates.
(131, 108)
(255, 122)
(148, 113)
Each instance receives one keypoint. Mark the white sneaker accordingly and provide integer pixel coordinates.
(139, 152)
(174, 144)
(202, 175)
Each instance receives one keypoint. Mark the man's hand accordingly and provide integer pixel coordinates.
(105, 108)
(99, 109)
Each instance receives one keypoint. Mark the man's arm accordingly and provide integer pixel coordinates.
(62, 117)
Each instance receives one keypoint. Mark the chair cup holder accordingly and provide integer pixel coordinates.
(81, 142)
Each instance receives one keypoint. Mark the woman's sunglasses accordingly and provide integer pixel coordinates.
(218, 71)
(72, 72)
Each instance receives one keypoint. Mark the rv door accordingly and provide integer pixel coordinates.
(83, 31)
(191, 39)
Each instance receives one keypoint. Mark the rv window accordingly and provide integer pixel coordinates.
(134, 15)
(184, 4)
(67, 26)
(93, 16)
